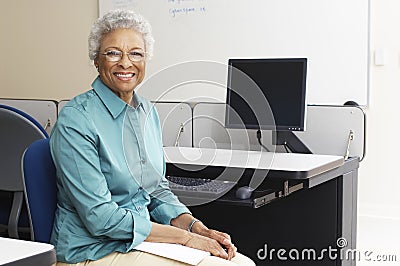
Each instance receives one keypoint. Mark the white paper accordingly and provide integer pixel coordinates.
(174, 251)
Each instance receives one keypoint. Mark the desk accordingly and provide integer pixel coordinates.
(20, 252)
(310, 219)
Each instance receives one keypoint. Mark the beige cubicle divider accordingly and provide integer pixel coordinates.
(176, 123)
(329, 130)
(44, 111)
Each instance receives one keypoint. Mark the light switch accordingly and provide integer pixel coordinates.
(379, 57)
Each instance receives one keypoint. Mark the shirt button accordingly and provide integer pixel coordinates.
(139, 208)
(143, 161)
(140, 188)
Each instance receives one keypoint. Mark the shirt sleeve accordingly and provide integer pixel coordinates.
(164, 205)
(74, 149)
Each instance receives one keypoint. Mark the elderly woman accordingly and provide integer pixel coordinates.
(107, 149)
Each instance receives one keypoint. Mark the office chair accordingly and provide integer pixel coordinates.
(17, 131)
(39, 175)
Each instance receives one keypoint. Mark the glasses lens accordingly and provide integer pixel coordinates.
(136, 56)
(113, 56)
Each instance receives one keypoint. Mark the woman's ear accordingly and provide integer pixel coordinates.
(96, 64)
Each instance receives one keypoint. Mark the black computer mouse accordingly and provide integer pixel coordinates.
(244, 192)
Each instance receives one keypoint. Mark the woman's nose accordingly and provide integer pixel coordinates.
(125, 62)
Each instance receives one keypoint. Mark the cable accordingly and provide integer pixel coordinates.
(259, 140)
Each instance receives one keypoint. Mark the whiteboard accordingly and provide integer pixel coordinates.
(332, 34)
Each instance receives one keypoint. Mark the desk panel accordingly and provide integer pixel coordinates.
(308, 220)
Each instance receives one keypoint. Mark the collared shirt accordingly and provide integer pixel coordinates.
(110, 175)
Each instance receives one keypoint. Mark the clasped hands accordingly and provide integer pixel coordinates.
(217, 243)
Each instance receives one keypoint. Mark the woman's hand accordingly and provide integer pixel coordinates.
(207, 244)
(223, 239)
(198, 228)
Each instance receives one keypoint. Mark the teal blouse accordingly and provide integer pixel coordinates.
(110, 175)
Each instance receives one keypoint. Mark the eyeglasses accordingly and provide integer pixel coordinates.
(116, 55)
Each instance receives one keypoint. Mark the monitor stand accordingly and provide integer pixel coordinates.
(290, 140)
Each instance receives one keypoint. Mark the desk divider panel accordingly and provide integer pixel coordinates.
(176, 123)
(44, 111)
(327, 130)
(202, 124)
(209, 129)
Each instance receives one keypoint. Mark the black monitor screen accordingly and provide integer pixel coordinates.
(266, 94)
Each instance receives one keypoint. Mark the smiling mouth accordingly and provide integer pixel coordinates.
(124, 76)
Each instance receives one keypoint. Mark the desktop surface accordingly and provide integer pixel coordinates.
(21, 252)
(294, 165)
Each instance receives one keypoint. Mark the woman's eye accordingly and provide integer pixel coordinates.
(137, 54)
(114, 53)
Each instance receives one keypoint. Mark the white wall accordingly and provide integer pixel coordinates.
(379, 177)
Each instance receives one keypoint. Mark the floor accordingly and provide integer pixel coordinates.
(378, 241)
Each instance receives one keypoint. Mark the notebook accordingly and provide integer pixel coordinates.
(174, 251)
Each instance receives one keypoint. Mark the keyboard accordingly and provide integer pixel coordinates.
(199, 187)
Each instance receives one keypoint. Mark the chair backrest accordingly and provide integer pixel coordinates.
(39, 175)
(17, 131)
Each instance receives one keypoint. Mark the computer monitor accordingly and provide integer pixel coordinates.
(266, 94)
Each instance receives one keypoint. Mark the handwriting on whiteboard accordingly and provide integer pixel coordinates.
(186, 7)
(123, 4)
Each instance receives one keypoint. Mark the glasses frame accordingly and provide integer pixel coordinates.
(129, 54)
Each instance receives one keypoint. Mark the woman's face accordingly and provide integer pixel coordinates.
(122, 76)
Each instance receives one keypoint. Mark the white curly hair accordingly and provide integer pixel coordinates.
(119, 19)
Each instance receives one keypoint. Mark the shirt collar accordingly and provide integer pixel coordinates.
(137, 101)
(112, 102)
